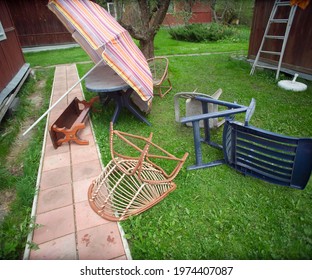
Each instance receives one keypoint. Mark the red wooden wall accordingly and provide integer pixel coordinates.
(11, 56)
(36, 24)
(298, 52)
(201, 13)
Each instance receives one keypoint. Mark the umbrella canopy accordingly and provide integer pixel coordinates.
(103, 38)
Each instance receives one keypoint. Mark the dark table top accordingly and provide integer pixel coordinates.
(105, 79)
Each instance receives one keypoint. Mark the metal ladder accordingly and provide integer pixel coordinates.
(267, 36)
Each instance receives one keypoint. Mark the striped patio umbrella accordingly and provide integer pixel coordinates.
(103, 38)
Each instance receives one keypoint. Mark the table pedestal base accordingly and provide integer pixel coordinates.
(122, 100)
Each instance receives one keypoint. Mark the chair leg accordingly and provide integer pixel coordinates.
(168, 89)
(198, 152)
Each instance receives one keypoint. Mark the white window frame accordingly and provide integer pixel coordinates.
(2, 33)
(111, 9)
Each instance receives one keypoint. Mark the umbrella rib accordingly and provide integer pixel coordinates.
(59, 100)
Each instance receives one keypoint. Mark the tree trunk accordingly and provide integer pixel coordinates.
(213, 8)
(150, 14)
(147, 47)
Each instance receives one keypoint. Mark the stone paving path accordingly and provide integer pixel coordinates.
(70, 229)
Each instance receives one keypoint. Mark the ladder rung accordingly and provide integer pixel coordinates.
(279, 20)
(267, 66)
(283, 3)
(275, 37)
(270, 52)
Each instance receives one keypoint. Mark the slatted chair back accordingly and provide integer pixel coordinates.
(268, 156)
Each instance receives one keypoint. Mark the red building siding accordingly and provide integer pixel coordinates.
(298, 52)
(201, 13)
(11, 56)
(36, 24)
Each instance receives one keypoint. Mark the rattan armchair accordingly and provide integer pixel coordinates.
(159, 68)
(131, 184)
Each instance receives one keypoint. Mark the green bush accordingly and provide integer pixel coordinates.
(201, 32)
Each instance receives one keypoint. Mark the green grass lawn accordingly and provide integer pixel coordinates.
(214, 213)
(163, 44)
(19, 163)
(218, 213)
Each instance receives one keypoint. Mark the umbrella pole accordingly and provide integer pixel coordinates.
(59, 100)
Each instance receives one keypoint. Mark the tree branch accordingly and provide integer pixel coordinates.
(159, 16)
(133, 32)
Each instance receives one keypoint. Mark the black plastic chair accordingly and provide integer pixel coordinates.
(272, 157)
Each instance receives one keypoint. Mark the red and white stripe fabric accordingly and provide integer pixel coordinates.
(102, 37)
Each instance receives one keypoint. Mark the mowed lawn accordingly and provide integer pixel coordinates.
(217, 213)
(214, 213)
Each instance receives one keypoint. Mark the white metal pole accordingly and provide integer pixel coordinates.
(58, 101)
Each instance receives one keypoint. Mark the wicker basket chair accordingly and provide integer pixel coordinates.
(159, 68)
(130, 185)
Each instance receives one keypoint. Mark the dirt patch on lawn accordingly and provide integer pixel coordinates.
(18, 147)
(22, 141)
(6, 197)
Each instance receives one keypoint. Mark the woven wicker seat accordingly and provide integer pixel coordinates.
(130, 185)
(159, 69)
